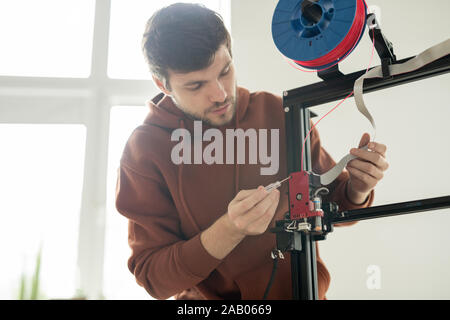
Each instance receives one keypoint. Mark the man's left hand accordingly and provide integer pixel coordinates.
(365, 170)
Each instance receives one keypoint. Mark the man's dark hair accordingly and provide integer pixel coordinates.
(183, 37)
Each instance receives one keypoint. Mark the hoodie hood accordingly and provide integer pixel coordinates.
(165, 114)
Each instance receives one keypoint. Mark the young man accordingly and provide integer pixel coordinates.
(198, 228)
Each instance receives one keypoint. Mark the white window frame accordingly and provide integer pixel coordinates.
(86, 101)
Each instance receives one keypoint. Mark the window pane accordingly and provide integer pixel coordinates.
(47, 38)
(127, 27)
(41, 170)
(119, 282)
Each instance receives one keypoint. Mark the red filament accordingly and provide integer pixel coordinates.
(346, 45)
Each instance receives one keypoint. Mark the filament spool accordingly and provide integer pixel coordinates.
(317, 34)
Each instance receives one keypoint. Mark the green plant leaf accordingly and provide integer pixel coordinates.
(35, 282)
(22, 287)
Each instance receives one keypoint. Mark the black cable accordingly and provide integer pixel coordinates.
(272, 276)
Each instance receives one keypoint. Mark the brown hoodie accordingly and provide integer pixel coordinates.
(169, 205)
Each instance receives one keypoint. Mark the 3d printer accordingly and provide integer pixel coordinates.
(307, 32)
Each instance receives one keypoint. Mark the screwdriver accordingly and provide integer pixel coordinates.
(275, 185)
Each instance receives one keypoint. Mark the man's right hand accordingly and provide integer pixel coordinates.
(251, 211)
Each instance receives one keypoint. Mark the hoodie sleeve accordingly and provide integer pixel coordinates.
(322, 162)
(162, 261)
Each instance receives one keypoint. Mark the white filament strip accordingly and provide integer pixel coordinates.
(436, 52)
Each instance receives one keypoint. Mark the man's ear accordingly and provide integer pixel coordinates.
(160, 85)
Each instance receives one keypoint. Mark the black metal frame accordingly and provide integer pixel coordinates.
(296, 103)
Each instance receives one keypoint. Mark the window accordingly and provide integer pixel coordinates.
(127, 27)
(119, 282)
(62, 139)
(41, 170)
(46, 38)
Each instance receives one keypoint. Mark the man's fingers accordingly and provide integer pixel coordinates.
(271, 210)
(243, 194)
(366, 167)
(263, 221)
(364, 177)
(251, 200)
(264, 205)
(378, 147)
(249, 217)
(371, 156)
(365, 139)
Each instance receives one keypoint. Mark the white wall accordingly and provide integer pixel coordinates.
(412, 252)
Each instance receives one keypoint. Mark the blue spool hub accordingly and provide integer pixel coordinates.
(305, 30)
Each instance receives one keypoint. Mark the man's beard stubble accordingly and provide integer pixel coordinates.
(195, 117)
